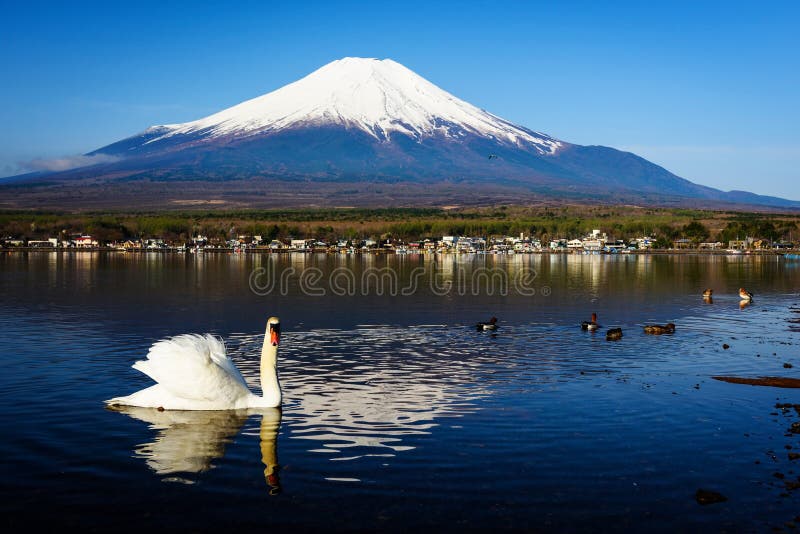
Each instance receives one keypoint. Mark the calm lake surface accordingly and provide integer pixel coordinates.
(398, 415)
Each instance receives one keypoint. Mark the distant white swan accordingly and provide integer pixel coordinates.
(193, 372)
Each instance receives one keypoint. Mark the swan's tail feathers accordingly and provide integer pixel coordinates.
(151, 397)
(219, 355)
(192, 366)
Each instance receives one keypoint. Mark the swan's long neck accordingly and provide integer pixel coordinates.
(271, 390)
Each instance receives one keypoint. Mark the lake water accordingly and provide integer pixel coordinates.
(398, 415)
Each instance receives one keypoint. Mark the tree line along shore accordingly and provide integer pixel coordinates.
(667, 228)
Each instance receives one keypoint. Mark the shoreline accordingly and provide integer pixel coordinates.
(658, 252)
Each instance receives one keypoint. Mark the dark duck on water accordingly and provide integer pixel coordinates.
(590, 325)
(659, 329)
(614, 334)
(491, 324)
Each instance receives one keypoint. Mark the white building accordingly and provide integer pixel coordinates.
(299, 244)
(85, 241)
(45, 243)
(593, 244)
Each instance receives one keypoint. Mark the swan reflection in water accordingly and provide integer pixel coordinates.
(189, 441)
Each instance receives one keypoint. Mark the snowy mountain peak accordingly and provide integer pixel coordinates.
(380, 97)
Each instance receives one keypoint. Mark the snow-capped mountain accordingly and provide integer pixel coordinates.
(379, 97)
(367, 131)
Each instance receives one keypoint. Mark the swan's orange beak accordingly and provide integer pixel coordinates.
(275, 336)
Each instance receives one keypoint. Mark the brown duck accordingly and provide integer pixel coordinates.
(659, 329)
(614, 334)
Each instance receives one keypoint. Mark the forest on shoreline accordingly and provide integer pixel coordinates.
(542, 222)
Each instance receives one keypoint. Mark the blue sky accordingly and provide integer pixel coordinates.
(709, 90)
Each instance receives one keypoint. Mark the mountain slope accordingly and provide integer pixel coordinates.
(365, 121)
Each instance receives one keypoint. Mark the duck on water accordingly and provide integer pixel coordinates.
(491, 324)
(614, 334)
(659, 329)
(590, 325)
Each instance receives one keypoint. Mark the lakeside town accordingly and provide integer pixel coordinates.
(594, 242)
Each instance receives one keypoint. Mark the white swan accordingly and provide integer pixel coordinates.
(193, 372)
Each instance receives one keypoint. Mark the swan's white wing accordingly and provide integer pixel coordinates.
(194, 367)
(219, 354)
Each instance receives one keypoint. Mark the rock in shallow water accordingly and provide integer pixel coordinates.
(704, 497)
(774, 381)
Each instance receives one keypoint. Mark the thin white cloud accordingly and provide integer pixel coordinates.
(68, 162)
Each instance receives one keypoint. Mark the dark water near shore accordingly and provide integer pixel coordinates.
(397, 414)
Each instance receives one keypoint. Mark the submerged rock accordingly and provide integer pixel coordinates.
(704, 497)
(774, 381)
(792, 485)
